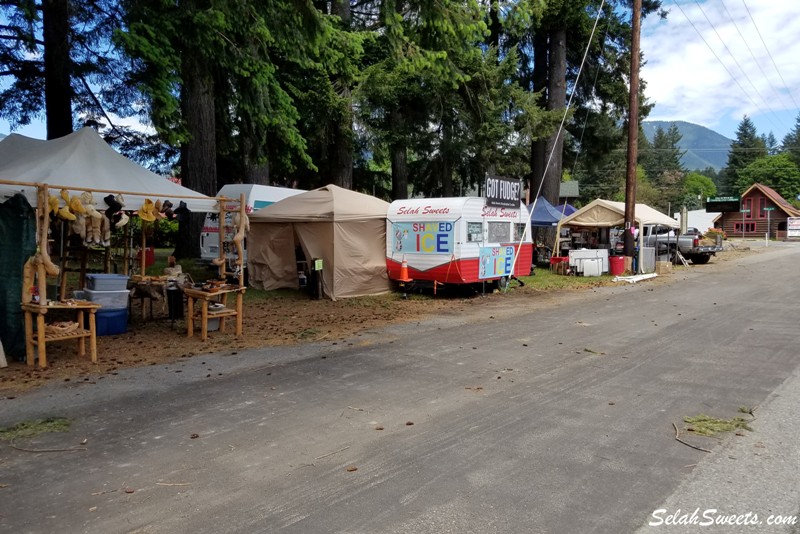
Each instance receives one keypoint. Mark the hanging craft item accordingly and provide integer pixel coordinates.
(146, 211)
(122, 221)
(114, 206)
(52, 204)
(93, 219)
(167, 210)
(157, 211)
(64, 213)
(78, 226)
(242, 223)
(105, 231)
(76, 206)
(182, 211)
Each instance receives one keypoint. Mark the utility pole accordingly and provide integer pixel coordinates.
(633, 131)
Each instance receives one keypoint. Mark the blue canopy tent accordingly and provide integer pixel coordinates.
(566, 209)
(543, 213)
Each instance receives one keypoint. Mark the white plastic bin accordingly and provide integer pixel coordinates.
(108, 299)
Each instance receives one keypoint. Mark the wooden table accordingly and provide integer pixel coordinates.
(150, 290)
(41, 337)
(217, 296)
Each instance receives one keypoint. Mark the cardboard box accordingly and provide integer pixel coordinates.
(663, 267)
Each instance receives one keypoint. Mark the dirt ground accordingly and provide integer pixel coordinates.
(267, 322)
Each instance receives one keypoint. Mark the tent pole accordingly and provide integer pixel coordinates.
(142, 259)
(221, 228)
(240, 258)
(125, 249)
(92, 190)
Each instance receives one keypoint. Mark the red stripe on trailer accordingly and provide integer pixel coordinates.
(461, 271)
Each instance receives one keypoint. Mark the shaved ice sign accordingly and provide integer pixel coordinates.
(496, 262)
(423, 237)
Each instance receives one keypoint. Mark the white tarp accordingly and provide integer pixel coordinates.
(82, 160)
(606, 214)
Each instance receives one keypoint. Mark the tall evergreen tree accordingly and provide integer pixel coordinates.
(770, 143)
(745, 149)
(207, 70)
(50, 53)
(415, 49)
(791, 142)
(778, 172)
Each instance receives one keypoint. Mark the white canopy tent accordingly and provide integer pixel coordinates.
(83, 161)
(609, 214)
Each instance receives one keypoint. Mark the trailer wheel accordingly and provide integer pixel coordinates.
(502, 283)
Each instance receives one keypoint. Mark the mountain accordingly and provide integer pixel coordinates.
(704, 147)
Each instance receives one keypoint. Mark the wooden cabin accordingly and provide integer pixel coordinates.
(763, 211)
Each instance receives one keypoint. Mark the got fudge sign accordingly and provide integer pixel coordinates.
(502, 192)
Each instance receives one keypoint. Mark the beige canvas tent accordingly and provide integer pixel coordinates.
(346, 229)
(608, 214)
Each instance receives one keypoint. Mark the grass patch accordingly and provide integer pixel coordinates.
(546, 279)
(29, 429)
(307, 333)
(704, 425)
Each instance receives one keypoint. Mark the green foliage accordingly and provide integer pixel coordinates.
(243, 45)
(745, 149)
(778, 172)
(30, 429)
(791, 142)
(705, 425)
(711, 233)
(697, 188)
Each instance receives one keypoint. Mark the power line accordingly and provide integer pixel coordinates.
(734, 78)
(752, 55)
(733, 56)
(785, 85)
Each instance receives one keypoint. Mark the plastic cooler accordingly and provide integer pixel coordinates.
(111, 321)
(106, 282)
(108, 299)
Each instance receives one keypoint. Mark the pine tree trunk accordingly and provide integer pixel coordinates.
(556, 100)
(198, 156)
(399, 163)
(538, 147)
(253, 173)
(341, 149)
(57, 88)
(447, 159)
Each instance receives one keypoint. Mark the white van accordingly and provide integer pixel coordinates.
(256, 197)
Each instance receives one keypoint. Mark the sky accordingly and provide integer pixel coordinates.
(710, 62)
(713, 62)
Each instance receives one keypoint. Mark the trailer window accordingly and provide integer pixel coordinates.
(519, 232)
(499, 232)
(474, 232)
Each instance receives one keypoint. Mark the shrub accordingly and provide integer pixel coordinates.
(712, 233)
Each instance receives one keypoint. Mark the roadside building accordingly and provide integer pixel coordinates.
(763, 212)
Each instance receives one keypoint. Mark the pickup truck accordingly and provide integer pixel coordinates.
(688, 244)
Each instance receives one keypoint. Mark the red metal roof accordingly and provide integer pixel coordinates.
(773, 195)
